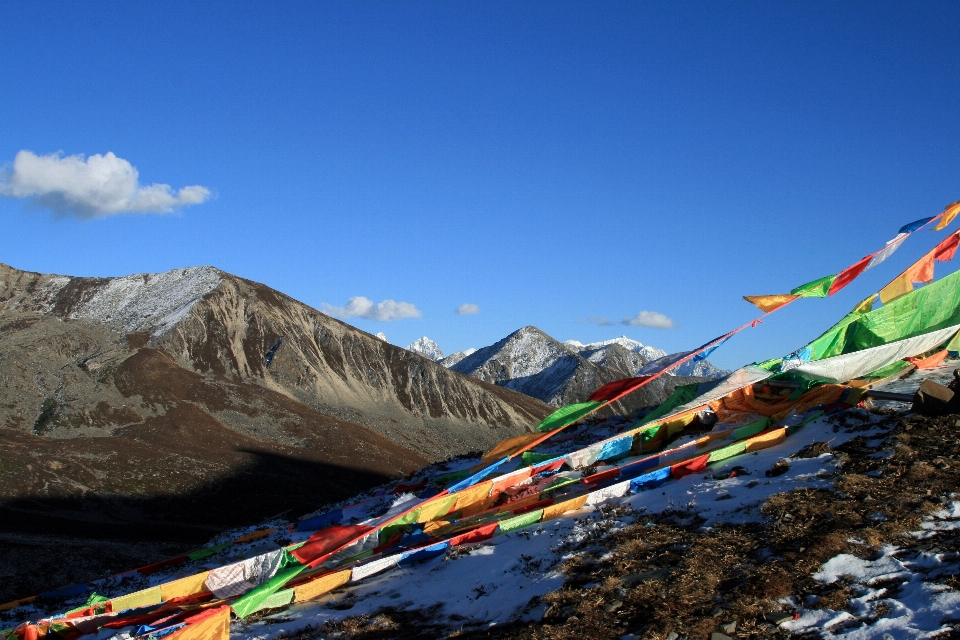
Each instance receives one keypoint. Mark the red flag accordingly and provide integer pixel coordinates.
(614, 390)
(327, 540)
(848, 275)
(690, 466)
(946, 249)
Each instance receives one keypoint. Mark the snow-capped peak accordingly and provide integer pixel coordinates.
(426, 347)
(648, 352)
(382, 336)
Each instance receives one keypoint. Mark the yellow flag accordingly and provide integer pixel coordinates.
(865, 305)
(896, 288)
(772, 302)
(948, 215)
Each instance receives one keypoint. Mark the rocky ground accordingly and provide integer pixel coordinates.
(666, 576)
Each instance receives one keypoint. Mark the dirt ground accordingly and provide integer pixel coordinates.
(664, 577)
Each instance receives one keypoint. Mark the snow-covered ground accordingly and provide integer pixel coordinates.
(496, 581)
(493, 582)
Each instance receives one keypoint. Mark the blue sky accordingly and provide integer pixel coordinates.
(547, 162)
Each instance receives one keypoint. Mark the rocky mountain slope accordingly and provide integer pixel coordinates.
(218, 399)
(532, 362)
(456, 357)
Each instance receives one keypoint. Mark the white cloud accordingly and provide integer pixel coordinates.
(468, 310)
(361, 307)
(100, 186)
(600, 320)
(651, 319)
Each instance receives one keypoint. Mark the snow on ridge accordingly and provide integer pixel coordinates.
(648, 352)
(427, 348)
(454, 358)
(141, 301)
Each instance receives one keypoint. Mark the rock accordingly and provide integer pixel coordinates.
(813, 450)
(673, 635)
(719, 636)
(613, 606)
(933, 399)
(646, 576)
(724, 496)
(778, 469)
(778, 617)
(729, 627)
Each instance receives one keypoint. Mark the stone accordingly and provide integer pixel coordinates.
(716, 635)
(613, 606)
(777, 617)
(729, 627)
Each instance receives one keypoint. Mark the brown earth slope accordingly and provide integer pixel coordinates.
(161, 409)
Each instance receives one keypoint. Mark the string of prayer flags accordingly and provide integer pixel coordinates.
(829, 285)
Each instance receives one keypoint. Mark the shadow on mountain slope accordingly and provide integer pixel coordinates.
(48, 542)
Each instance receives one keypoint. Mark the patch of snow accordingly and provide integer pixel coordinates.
(426, 347)
(896, 597)
(454, 358)
(142, 301)
(594, 352)
(382, 336)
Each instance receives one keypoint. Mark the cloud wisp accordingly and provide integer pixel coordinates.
(468, 309)
(95, 187)
(650, 319)
(361, 307)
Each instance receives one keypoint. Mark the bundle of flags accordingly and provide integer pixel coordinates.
(829, 285)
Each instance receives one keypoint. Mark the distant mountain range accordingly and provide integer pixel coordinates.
(533, 363)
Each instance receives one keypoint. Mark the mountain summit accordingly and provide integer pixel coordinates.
(532, 362)
(427, 348)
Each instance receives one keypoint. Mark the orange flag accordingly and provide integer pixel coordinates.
(772, 302)
(948, 215)
(919, 271)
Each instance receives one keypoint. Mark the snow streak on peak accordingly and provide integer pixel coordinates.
(141, 301)
(426, 347)
(650, 353)
(454, 358)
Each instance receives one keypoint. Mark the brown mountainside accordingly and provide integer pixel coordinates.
(166, 407)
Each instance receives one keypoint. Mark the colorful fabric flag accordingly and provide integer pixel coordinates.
(913, 226)
(848, 275)
(769, 304)
(614, 390)
(919, 271)
(888, 250)
(948, 248)
(949, 213)
(567, 415)
(816, 289)
(865, 305)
